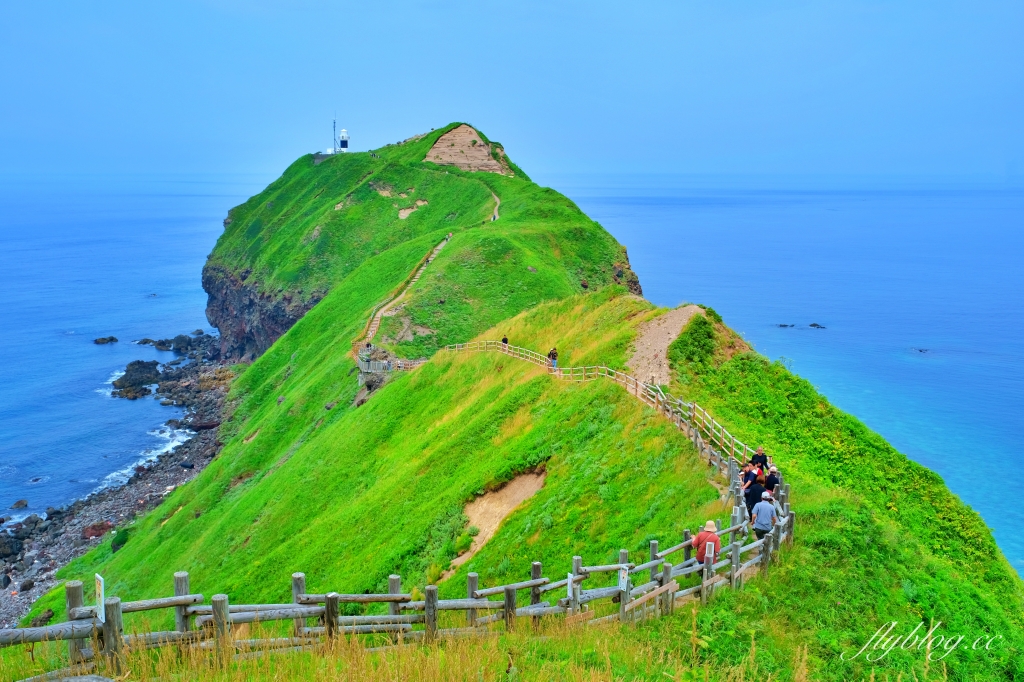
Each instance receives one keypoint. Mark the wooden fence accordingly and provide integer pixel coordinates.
(641, 587)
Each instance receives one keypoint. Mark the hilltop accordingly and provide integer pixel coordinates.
(311, 479)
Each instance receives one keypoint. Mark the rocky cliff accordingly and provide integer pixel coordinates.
(249, 320)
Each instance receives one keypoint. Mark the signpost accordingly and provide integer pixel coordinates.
(101, 615)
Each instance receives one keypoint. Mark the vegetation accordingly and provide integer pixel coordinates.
(309, 482)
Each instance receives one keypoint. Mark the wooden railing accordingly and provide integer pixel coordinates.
(651, 588)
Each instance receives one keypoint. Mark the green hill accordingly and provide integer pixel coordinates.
(307, 481)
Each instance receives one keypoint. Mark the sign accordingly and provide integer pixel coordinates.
(568, 588)
(623, 579)
(101, 613)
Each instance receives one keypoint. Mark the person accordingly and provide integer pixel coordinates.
(504, 341)
(749, 476)
(706, 536)
(553, 357)
(754, 493)
(772, 480)
(763, 516)
(760, 459)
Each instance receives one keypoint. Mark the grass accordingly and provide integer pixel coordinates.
(308, 482)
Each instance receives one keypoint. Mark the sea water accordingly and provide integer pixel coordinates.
(919, 288)
(82, 258)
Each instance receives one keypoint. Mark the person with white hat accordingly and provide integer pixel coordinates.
(763, 515)
(772, 480)
(707, 536)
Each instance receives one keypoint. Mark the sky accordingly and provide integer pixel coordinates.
(783, 87)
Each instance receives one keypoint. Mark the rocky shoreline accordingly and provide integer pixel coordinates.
(31, 551)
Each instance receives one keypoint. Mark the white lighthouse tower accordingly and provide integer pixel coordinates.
(343, 141)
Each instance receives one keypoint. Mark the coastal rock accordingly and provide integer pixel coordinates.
(138, 373)
(815, 325)
(105, 340)
(5, 581)
(249, 320)
(26, 585)
(131, 393)
(9, 546)
(20, 504)
(96, 530)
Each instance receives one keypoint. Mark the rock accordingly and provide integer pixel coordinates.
(96, 530)
(145, 342)
(20, 504)
(815, 325)
(531, 268)
(198, 332)
(188, 465)
(280, 399)
(132, 392)
(42, 619)
(26, 585)
(32, 521)
(584, 284)
(204, 426)
(163, 344)
(330, 406)
(138, 373)
(5, 581)
(181, 343)
(9, 546)
(105, 340)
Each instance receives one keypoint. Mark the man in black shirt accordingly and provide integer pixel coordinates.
(772, 481)
(760, 459)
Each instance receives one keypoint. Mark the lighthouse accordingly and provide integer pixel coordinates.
(343, 141)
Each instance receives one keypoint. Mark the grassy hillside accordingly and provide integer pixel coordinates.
(308, 482)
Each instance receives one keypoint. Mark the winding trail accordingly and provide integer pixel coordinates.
(497, 205)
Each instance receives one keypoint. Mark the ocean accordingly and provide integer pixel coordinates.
(919, 290)
(82, 258)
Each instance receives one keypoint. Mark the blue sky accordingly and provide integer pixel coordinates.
(822, 88)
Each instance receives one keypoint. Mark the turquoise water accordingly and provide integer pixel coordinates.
(888, 273)
(920, 291)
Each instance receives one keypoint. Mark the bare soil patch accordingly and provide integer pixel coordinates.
(463, 148)
(650, 359)
(490, 509)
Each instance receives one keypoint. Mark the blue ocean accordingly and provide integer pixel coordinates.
(918, 288)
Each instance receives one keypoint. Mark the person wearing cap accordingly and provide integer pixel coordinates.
(772, 480)
(707, 536)
(760, 459)
(749, 475)
(763, 515)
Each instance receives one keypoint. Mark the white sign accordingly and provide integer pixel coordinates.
(569, 587)
(623, 579)
(101, 614)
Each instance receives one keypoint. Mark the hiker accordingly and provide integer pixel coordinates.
(706, 536)
(772, 480)
(504, 342)
(760, 459)
(553, 357)
(754, 493)
(749, 476)
(763, 516)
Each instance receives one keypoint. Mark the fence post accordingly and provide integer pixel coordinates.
(654, 555)
(331, 612)
(733, 522)
(298, 587)
(577, 569)
(624, 588)
(668, 599)
(510, 609)
(181, 588)
(222, 625)
(776, 541)
(73, 599)
(536, 572)
(705, 583)
(766, 553)
(430, 612)
(472, 582)
(792, 526)
(734, 576)
(687, 551)
(113, 636)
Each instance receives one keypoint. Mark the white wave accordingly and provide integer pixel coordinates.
(108, 387)
(168, 440)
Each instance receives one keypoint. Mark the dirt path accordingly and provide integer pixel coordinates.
(650, 359)
(489, 510)
(497, 204)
